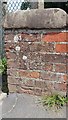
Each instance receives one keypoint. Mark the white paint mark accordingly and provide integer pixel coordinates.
(17, 48)
(16, 38)
(24, 57)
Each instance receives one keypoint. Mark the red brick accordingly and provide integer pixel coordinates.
(29, 74)
(34, 74)
(23, 73)
(56, 37)
(61, 48)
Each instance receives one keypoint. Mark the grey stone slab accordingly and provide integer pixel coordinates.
(28, 106)
(36, 18)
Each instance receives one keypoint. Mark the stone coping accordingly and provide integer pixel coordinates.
(37, 19)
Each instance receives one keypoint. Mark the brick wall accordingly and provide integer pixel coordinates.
(41, 64)
(36, 50)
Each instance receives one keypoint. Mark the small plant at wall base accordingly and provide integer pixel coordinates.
(54, 100)
(3, 71)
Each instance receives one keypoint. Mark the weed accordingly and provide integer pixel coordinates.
(3, 65)
(54, 100)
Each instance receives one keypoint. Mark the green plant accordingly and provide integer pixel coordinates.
(3, 71)
(4, 62)
(54, 100)
(3, 65)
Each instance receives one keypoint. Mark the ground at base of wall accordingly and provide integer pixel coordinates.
(28, 106)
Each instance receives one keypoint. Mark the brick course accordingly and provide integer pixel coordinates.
(56, 37)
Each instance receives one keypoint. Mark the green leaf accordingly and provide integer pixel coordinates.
(54, 100)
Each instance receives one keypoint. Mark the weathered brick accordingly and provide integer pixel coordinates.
(40, 83)
(37, 91)
(35, 47)
(41, 47)
(47, 66)
(47, 47)
(13, 72)
(51, 76)
(12, 88)
(24, 65)
(34, 57)
(22, 90)
(60, 86)
(12, 64)
(35, 66)
(34, 61)
(31, 37)
(30, 83)
(26, 87)
(61, 48)
(48, 76)
(9, 37)
(56, 37)
(13, 81)
(24, 47)
(49, 86)
(60, 68)
(65, 77)
(11, 55)
(9, 45)
(53, 58)
(67, 62)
